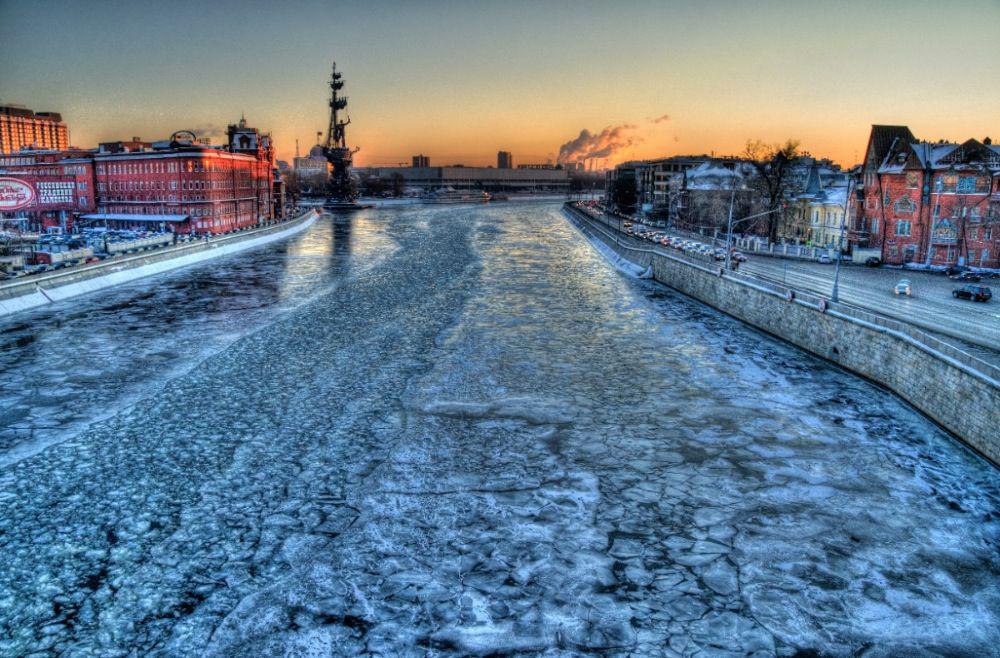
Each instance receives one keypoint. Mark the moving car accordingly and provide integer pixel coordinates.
(873, 261)
(825, 259)
(902, 288)
(973, 292)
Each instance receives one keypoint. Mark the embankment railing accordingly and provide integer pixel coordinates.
(970, 363)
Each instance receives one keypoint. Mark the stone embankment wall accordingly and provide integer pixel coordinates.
(960, 394)
(35, 291)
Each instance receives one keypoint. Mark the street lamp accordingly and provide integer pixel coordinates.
(729, 223)
(729, 230)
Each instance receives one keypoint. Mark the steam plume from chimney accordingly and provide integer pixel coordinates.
(605, 144)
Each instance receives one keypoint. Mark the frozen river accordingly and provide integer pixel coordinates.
(460, 431)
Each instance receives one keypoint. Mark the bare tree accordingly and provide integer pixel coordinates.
(293, 186)
(772, 164)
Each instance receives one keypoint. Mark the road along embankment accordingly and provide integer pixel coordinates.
(40, 290)
(958, 391)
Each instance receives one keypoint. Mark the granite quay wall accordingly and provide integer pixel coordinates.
(958, 391)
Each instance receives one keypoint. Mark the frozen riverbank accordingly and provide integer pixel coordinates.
(491, 442)
(81, 280)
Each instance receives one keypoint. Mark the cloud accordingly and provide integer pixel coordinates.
(604, 144)
(661, 118)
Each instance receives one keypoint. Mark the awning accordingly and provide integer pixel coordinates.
(125, 217)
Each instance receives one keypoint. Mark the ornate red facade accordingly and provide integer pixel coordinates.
(932, 203)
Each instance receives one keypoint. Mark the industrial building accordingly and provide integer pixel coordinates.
(180, 185)
(555, 180)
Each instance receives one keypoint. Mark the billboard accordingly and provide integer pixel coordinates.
(15, 194)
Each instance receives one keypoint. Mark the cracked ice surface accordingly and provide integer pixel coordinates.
(488, 441)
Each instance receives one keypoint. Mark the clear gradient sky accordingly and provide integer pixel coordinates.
(460, 80)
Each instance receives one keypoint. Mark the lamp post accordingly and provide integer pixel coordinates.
(729, 231)
(729, 224)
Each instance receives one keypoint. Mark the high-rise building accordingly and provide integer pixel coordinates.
(505, 160)
(21, 127)
(421, 161)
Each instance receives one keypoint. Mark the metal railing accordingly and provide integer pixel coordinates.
(820, 303)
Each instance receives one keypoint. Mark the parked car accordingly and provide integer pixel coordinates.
(973, 292)
(824, 259)
(873, 261)
(966, 276)
(903, 287)
(956, 269)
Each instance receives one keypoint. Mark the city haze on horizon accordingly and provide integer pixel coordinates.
(458, 83)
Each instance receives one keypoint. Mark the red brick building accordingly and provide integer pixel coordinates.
(931, 203)
(55, 187)
(178, 185)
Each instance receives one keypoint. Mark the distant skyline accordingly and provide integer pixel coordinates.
(459, 81)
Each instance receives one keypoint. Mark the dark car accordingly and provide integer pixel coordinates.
(975, 293)
(955, 269)
(966, 276)
(873, 261)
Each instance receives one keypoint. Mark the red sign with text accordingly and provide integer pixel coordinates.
(15, 194)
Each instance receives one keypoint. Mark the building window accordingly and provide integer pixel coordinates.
(903, 228)
(904, 206)
(966, 185)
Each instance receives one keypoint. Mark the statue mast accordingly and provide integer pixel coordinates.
(338, 154)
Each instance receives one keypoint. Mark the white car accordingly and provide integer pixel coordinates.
(824, 259)
(903, 287)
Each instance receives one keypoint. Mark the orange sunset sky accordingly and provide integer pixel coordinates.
(459, 80)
